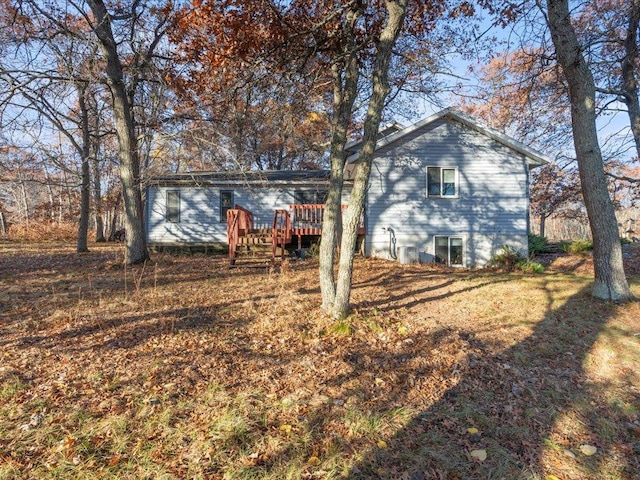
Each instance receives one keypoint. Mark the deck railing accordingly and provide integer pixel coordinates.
(307, 218)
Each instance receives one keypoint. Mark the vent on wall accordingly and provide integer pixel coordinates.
(408, 255)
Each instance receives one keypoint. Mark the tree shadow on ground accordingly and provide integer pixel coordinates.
(532, 404)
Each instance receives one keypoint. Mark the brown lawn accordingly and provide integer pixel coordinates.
(186, 369)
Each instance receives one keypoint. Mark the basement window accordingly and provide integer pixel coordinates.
(449, 250)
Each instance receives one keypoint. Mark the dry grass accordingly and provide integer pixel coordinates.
(185, 369)
(39, 231)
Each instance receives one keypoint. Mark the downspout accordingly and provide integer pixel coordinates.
(392, 242)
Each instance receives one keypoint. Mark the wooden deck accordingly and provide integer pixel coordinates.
(299, 221)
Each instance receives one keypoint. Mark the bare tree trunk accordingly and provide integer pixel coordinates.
(114, 218)
(83, 221)
(97, 176)
(3, 224)
(136, 245)
(25, 203)
(629, 68)
(97, 198)
(52, 213)
(610, 282)
(345, 90)
(380, 90)
(543, 223)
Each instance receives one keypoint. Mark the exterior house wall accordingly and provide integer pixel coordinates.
(200, 219)
(489, 211)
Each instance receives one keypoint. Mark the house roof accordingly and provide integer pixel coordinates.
(383, 132)
(236, 178)
(534, 157)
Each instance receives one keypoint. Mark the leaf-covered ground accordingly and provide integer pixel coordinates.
(186, 369)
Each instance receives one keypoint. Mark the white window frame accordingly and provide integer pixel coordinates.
(223, 208)
(442, 168)
(449, 237)
(173, 216)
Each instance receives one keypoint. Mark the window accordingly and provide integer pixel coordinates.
(226, 203)
(310, 197)
(173, 206)
(449, 250)
(442, 182)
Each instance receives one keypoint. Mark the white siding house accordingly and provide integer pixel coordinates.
(449, 188)
(445, 189)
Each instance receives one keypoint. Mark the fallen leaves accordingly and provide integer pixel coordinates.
(209, 366)
(479, 455)
(588, 450)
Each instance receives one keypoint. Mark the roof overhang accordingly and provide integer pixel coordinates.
(262, 179)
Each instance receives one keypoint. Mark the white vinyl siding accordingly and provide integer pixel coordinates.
(489, 209)
(201, 211)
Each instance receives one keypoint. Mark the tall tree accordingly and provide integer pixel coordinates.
(128, 35)
(101, 23)
(610, 281)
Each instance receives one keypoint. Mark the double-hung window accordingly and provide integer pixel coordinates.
(442, 182)
(449, 250)
(226, 203)
(172, 214)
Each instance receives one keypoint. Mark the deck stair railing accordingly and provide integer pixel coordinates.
(281, 232)
(307, 218)
(239, 224)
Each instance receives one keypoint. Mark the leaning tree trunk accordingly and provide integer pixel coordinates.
(610, 282)
(380, 91)
(136, 245)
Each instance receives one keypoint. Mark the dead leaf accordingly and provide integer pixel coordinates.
(588, 450)
(472, 430)
(286, 429)
(315, 461)
(480, 455)
(382, 444)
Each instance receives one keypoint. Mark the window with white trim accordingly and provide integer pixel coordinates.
(172, 213)
(442, 182)
(226, 203)
(449, 250)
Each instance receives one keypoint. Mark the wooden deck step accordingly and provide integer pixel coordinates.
(266, 241)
